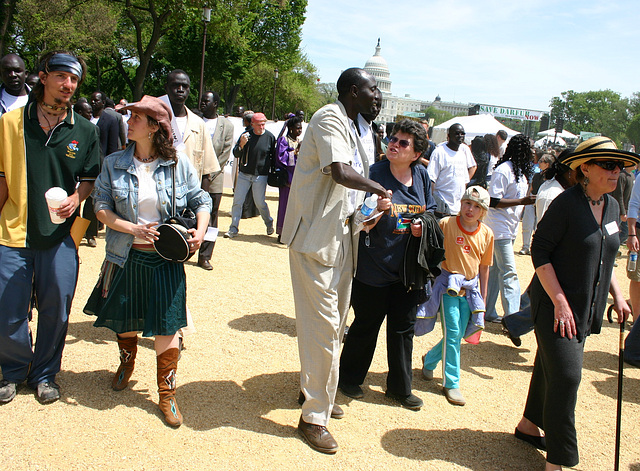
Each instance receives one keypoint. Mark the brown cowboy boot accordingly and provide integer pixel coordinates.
(167, 365)
(128, 348)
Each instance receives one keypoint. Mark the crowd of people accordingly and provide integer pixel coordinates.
(438, 244)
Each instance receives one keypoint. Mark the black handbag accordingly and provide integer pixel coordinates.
(173, 241)
(277, 176)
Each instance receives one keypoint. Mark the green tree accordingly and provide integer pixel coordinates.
(439, 116)
(603, 111)
(328, 93)
(295, 89)
(86, 27)
(7, 10)
(633, 131)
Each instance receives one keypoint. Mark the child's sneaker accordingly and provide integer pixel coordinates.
(426, 374)
(454, 396)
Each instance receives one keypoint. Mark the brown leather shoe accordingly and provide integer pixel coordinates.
(318, 437)
(336, 412)
(205, 264)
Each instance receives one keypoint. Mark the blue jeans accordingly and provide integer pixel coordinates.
(53, 274)
(454, 315)
(503, 278)
(258, 185)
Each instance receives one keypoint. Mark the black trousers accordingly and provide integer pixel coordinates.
(206, 249)
(553, 391)
(371, 305)
(87, 213)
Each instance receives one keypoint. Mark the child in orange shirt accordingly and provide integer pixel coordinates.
(468, 245)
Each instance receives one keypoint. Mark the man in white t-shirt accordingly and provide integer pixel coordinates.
(13, 92)
(451, 167)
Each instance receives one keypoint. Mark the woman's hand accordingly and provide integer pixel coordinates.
(196, 240)
(564, 322)
(416, 230)
(146, 232)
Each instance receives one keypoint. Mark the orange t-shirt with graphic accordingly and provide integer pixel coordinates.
(466, 251)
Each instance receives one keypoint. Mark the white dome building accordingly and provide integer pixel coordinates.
(393, 106)
(378, 67)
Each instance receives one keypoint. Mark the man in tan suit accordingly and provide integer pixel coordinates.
(189, 133)
(221, 131)
(327, 188)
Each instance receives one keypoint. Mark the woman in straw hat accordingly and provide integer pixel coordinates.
(573, 252)
(139, 291)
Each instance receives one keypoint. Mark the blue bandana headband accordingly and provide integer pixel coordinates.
(65, 63)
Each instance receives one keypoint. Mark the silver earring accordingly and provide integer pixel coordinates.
(585, 182)
(150, 135)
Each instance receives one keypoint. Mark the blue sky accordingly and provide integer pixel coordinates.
(519, 53)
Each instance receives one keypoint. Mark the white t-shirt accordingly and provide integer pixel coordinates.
(357, 166)
(547, 192)
(210, 125)
(366, 136)
(504, 221)
(148, 207)
(11, 102)
(449, 171)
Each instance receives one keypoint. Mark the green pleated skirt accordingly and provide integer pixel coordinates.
(147, 295)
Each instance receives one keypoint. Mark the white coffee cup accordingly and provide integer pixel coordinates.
(55, 196)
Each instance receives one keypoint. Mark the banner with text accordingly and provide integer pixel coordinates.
(513, 113)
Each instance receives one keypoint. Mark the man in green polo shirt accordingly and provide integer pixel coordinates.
(43, 145)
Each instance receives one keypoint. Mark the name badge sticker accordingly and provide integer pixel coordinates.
(612, 228)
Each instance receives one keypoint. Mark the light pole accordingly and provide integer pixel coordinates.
(275, 81)
(206, 18)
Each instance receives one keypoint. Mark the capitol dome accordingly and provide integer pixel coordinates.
(378, 67)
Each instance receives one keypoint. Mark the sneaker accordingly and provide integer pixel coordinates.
(454, 396)
(230, 235)
(426, 374)
(270, 230)
(48, 392)
(7, 391)
(411, 402)
(351, 390)
(524, 251)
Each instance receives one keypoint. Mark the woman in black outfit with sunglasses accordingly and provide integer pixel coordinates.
(573, 251)
(377, 290)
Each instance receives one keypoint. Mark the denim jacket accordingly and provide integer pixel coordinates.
(116, 189)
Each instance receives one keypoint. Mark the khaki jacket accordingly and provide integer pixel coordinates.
(317, 222)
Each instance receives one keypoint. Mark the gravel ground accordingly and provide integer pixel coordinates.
(238, 385)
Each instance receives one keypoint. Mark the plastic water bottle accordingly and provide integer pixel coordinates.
(370, 203)
(633, 258)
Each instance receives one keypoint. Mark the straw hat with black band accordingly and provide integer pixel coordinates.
(600, 148)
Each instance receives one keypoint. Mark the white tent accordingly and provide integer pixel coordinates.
(549, 140)
(552, 132)
(477, 125)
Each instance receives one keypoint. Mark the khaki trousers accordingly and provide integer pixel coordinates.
(322, 297)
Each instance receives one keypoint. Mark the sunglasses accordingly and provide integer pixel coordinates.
(401, 142)
(609, 165)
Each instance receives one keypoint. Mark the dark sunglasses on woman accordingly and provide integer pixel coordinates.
(401, 142)
(609, 165)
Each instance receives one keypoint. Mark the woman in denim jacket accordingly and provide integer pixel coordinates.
(139, 291)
